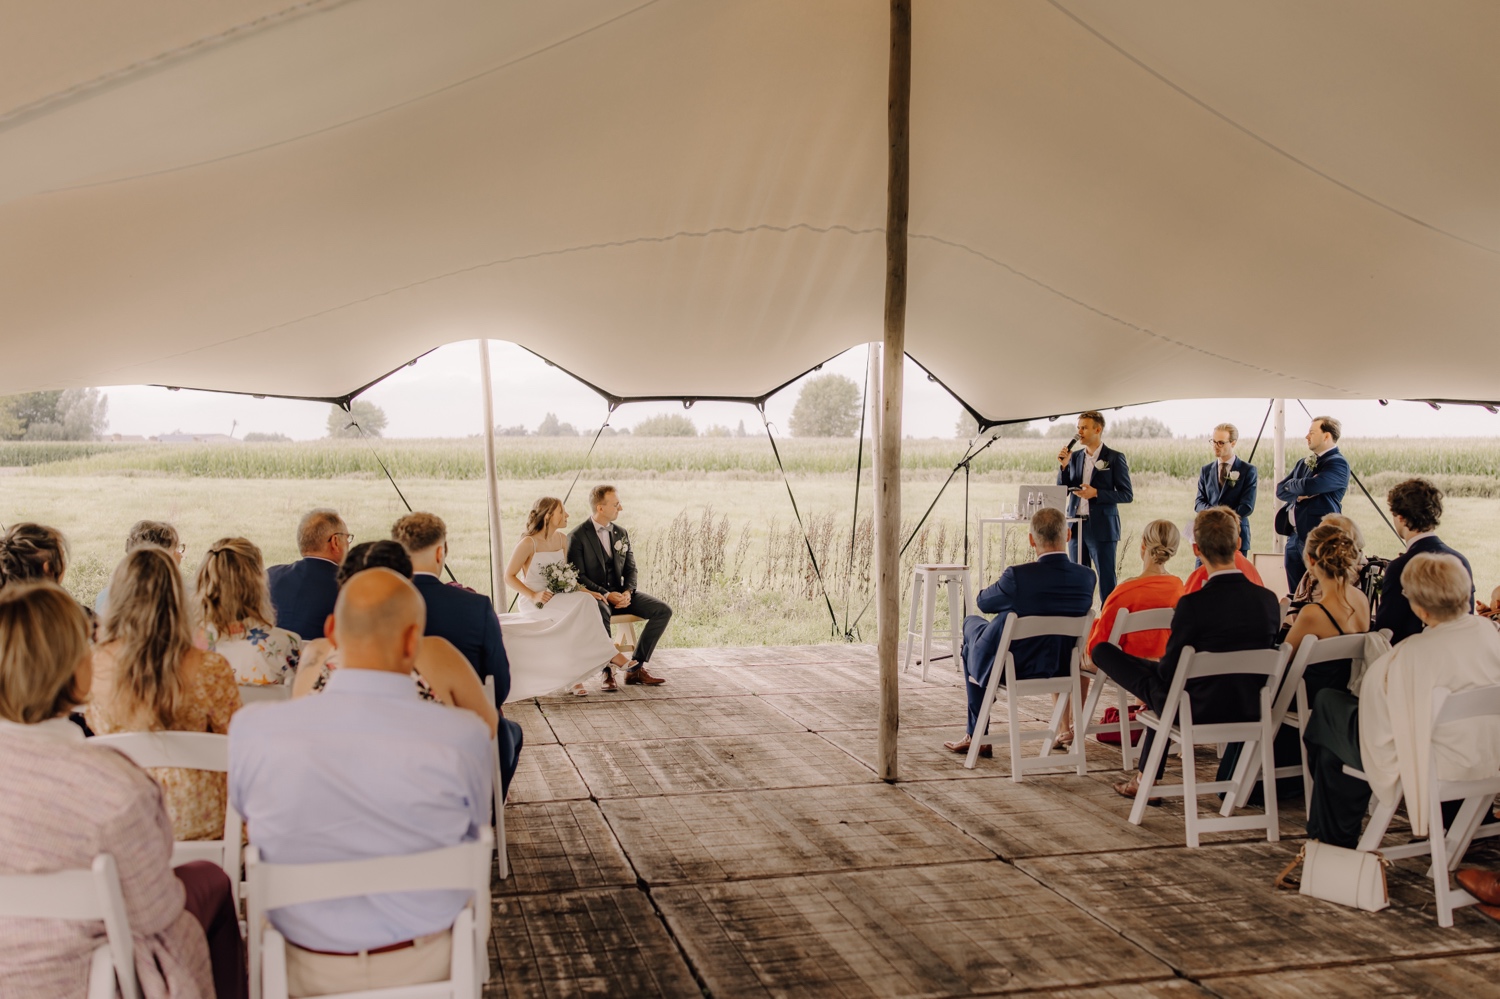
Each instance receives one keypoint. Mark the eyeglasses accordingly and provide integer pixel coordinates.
(1221, 443)
(345, 534)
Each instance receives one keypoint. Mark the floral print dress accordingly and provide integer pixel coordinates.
(260, 655)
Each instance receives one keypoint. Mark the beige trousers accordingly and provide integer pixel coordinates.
(430, 959)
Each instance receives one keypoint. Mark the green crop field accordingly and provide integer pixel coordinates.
(715, 532)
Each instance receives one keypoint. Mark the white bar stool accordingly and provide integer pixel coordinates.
(925, 581)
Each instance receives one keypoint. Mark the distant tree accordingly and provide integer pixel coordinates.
(83, 413)
(80, 414)
(1015, 430)
(666, 425)
(828, 406)
(551, 427)
(1061, 430)
(718, 430)
(370, 417)
(255, 437)
(1139, 427)
(519, 430)
(967, 428)
(739, 431)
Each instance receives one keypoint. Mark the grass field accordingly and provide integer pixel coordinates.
(714, 530)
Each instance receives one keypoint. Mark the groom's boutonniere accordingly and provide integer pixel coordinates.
(1311, 461)
(1234, 477)
(622, 547)
(1101, 466)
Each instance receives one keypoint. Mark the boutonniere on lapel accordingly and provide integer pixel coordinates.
(1101, 466)
(1234, 477)
(622, 547)
(1311, 461)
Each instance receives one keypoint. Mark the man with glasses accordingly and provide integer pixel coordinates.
(1229, 481)
(304, 592)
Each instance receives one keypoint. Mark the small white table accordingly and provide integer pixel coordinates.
(1007, 524)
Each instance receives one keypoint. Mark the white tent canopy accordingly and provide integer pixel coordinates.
(1111, 202)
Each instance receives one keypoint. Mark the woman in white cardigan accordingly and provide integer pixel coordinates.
(1387, 730)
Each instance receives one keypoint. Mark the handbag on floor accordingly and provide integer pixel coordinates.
(1354, 878)
(1111, 716)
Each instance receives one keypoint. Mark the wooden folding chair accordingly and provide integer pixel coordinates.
(82, 895)
(1067, 687)
(1126, 623)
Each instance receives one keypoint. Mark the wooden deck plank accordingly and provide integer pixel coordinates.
(946, 930)
(922, 756)
(587, 943)
(713, 837)
(685, 766)
(1168, 988)
(545, 773)
(533, 725)
(561, 846)
(607, 720)
(1461, 977)
(682, 681)
(1212, 911)
(808, 678)
(846, 710)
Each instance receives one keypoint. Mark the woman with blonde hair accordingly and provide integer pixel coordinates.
(148, 677)
(233, 599)
(556, 639)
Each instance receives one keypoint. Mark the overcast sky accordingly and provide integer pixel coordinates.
(440, 397)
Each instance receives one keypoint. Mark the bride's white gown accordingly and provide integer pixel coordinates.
(557, 644)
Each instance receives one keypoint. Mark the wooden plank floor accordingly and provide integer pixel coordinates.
(726, 835)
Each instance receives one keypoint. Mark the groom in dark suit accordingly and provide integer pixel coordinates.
(1314, 488)
(1229, 481)
(1098, 481)
(605, 559)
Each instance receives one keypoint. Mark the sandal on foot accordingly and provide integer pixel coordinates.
(1130, 788)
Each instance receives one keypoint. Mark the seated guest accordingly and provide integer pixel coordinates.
(1052, 586)
(148, 677)
(66, 801)
(367, 769)
(1230, 614)
(1490, 610)
(1307, 589)
(142, 533)
(303, 592)
(1154, 589)
(1387, 730)
(1416, 507)
(32, 552)
(442, 673)
(238, 620)
(1341, 607)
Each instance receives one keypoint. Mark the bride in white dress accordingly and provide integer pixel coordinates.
(564, 640)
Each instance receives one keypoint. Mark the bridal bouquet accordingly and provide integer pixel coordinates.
(560, 577)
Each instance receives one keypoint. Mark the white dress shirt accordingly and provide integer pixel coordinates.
(1089, 459)
(365, 769)
(603, 531)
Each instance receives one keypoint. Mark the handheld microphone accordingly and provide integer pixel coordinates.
(1071, 441)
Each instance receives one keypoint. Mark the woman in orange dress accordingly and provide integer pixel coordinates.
(1154, 588)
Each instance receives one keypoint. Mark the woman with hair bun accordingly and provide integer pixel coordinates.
(32, 553)
(555, 639)
(1332, 558)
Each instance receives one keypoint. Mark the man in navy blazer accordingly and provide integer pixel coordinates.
(1052, 586)
(304, 592)
(1315, 487)
(1416, 507)
(1229, 481)
(463, 617)
(1098, 481)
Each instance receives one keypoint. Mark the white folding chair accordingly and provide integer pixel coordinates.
(256, 693)
(189, 751)
(82, 895)
(1126, 623)
(465, 867)
(1312, 651)
(1067, 687)
(501, 859)
(1176, 725)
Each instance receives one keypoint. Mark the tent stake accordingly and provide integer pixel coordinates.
(492, 487)
(888, 453)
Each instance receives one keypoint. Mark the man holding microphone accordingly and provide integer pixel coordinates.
(1098, 481)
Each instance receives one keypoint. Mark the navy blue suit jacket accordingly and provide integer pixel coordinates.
(1394, 611)
(1052, 586)
(1113, 483)
(303, 593)
(468, 621)
(1324, 488)
(1239, 495)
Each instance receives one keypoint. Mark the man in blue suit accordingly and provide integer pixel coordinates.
(1098, 481)
(1229, 481)
(304, 592)
(1416, 507)
(1052, 586)
(1314, 488)
(463, 617)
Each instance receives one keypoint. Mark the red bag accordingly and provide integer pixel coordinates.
(1112, 717)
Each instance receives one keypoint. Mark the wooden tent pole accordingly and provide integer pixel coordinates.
(491, 486)
(888, 451)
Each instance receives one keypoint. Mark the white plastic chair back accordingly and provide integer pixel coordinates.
(1478, 796)
(464, 867)
(1126, 623)
(501, 858)
(189, 751)
(81, 895)
(258, 693)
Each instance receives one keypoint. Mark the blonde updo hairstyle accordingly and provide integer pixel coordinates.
(232, 588)
(32, 552)
(44, 638)
(1331, 550)
(1349, 527)
(541, 510)
(149, 618)
(1161, 539)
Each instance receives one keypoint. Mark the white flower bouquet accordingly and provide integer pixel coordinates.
(560, 577)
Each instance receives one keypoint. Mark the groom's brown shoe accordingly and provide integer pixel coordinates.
(609, 686)
(638, 674)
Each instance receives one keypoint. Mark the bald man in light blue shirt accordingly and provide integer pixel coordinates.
(364, 769)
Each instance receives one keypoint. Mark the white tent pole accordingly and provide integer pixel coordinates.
(888, 451)
(1279, 430)
(491, 486)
